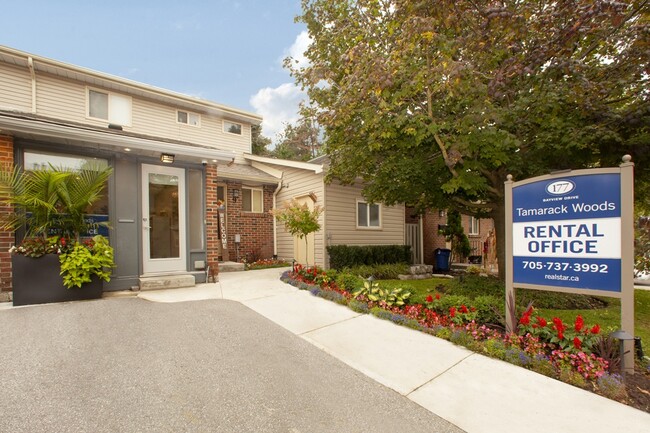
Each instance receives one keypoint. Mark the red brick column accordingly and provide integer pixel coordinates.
(255, 229)
(212, 215)
(7, 238)
(432, 240)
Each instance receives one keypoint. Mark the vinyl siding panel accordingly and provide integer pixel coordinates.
(66, 100)
(62, 99)
(15, 89)
(341, 219)
(301, 183)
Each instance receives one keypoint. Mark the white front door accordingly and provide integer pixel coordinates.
(163, 219)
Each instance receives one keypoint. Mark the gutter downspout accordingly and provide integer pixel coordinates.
(30, 66)
(275, 223)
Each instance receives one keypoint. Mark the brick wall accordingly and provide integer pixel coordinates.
(211, 218)
(7, 238)
(255, 229)
(432, 240)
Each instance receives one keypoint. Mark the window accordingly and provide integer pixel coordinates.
(252, 200)
(36, 160)
(233, 128)
(109, 106)
(188, 118)
(368, 215)
(474, 227)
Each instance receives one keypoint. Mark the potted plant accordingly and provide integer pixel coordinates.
(53, 263)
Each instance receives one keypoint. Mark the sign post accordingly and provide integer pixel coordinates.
(573, 232)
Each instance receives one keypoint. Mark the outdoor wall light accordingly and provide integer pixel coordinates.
(235, 194)
(167, 158)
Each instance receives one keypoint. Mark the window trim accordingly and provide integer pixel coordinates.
(198, 125)
(251, 188)
(108, 93)
(471, 232)
(241, 127)
(368, 227)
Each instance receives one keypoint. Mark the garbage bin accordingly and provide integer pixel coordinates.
(442, 259)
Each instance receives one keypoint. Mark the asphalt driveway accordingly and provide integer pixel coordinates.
(130, 365)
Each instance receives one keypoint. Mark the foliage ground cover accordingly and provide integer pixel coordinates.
(571, 347)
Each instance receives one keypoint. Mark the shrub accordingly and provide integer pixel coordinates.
(495, 348)
(489, 309)
(379, 272)
(342, 256)
(348, 281)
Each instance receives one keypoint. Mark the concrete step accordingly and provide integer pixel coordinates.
(231, 267)
(166, 282)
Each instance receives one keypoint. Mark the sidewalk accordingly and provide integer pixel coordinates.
(476, 393)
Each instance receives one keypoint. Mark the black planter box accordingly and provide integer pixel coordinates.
(37, 281)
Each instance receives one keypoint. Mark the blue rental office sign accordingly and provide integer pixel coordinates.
(573, 232)
(566, 232)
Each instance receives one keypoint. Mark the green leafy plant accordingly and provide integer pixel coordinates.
(54, 201)
(85, 260)
(391, 296)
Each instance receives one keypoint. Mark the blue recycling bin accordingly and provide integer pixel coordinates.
(443, 256)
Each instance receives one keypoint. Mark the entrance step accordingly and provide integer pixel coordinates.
(231, 267)
(167, 282)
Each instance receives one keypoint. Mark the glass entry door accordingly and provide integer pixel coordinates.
(163, 219)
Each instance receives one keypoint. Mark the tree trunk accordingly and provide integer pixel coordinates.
(498, 215)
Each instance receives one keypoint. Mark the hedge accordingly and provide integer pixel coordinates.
(347, 256)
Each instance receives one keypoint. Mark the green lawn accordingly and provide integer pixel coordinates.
(609, 317)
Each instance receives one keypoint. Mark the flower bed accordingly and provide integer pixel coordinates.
(547, 346)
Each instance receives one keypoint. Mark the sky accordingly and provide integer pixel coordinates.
(226, 51)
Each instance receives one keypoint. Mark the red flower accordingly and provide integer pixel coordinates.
(63, 241)
(580, 323)
(525, 319)
(577, 343)
(595, 329)
(437, 295)
(429, 298)
(541, 322)
(452, 312)
(559, 327)
(463, 309)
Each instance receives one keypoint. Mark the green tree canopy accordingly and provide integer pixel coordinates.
(433, 103)
(259, 142)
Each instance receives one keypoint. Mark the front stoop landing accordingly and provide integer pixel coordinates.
(167, 282)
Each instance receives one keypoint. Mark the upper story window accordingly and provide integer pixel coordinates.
(252, 200)
(368, 215)
(112, 107)
(188, 118)
(474, 227)
(233, 128)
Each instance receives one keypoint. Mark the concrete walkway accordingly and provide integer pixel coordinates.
(474, 392)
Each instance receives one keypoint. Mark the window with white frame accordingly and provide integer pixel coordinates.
(474, 227)
(231, 127)
(252, 200)
(112, 107)
(188, 118)
(368, 215)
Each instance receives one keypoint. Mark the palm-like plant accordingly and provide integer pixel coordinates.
(53, 200)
